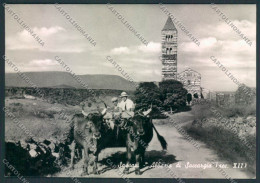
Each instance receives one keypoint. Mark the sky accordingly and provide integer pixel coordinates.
(115, 40)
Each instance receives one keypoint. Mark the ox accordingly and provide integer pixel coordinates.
(139, 135)
(87, 132)
(91, 132)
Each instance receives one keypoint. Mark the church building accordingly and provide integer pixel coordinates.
(191, 79)
(169, 50)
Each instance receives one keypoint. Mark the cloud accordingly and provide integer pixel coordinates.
(142, 60)
(152, 47)
(236, 51)
(205, 43)
(36, 65)
(120, 50)
(223, 31)
(43, 63)
(43, 31)
(216, 39)
(221, 41)
(56, 39)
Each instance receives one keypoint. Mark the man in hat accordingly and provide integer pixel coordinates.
(126, 104)
(115, 107)
(114, 115)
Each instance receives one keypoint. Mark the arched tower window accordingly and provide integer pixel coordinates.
(171, 37)
(166, 51)
(168, 37)
(170, 51)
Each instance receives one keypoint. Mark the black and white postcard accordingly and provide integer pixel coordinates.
(130, 91)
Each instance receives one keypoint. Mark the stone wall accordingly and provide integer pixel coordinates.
(37, 158)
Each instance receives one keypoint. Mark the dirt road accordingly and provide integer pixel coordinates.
(180, 154)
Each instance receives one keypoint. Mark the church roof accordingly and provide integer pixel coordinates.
(169, 25)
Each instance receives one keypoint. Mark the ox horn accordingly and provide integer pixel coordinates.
(104, 111)
(82, 104)
(145, 113)
(84, 113)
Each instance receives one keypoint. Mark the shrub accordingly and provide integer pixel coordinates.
(227, 144)
(202, 111)
(242, 110)
(16, 104)
(245, 95)
(148, 93)
(173, 95)
(43, 114)
(16, 107)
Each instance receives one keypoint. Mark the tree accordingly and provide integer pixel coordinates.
(173, 95)
(244, 95)
(148, 93)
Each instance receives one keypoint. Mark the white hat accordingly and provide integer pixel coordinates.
(123, 94)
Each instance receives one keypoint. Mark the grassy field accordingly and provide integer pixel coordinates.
(42, 119)
(225, 142)
(46, 118)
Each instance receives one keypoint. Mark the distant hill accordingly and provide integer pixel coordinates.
(65, 80)
(62, 86)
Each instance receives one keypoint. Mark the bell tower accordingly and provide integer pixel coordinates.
(169, 50)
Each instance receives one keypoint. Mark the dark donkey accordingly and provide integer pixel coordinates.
(86, 129)
(139, 135)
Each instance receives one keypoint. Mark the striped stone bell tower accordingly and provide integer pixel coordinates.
(169, 50)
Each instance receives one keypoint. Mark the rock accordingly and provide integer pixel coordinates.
(240, 132)
(52, 146)
(33, 153)
(252, 122)
(24, 145)
(232, 120)
(41, 139)
(252, 131)
(250, 117)
(239, 120)
(32, 146)
(29, 97)
(37, 156)
(56, 155)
